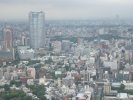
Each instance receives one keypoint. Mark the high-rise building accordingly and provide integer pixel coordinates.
(36, 23)
(7, 38)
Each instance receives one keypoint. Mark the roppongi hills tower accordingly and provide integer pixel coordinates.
(36, 24)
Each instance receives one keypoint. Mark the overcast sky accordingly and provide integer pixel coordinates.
(66, 9)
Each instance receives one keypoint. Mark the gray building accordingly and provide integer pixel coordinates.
(36, 24)
(66, 45)
(26, 54)
(6, 56)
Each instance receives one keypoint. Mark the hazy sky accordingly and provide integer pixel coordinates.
(66, 9)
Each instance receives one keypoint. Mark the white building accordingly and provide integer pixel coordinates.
(26, 54)
(56, 46)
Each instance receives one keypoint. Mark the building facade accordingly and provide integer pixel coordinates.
(7, 36)
(36, 24)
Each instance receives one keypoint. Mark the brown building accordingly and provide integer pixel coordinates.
(7, 38)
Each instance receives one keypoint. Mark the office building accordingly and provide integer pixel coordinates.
(7, 38)
(36, 24)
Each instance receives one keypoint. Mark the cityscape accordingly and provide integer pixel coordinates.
(66, 57)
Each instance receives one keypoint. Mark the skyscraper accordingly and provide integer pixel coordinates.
(7, 36)
(36, 23)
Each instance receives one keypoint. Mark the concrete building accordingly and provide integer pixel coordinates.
(31, 72)
(6, 56)
(1, 73)
(26, 54)
(66, 45)
(122, 96)
(7, 38)
(107, 88)
(42, 81)
(56, 46)
(36, 24)
(128, 86)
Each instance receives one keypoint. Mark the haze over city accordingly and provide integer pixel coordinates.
(66, 50)
(67, 9)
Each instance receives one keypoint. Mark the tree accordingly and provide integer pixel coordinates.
(122, 87)
(38, 90)
(27, 98)
(67, 67)
(16, 83)
(119, 89)
(14, 95)
(6, 87)
(49, 61)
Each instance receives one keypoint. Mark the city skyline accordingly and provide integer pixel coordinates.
(67, 9)
(81, 50)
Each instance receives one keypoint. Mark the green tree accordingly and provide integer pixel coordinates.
(16, 83)
(27, 98)
(49, 61)
(122, 87)
(6, 87)
(67, 67)
(38, 90)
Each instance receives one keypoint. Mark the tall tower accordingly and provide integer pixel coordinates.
(7, 38)
(36, 24)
